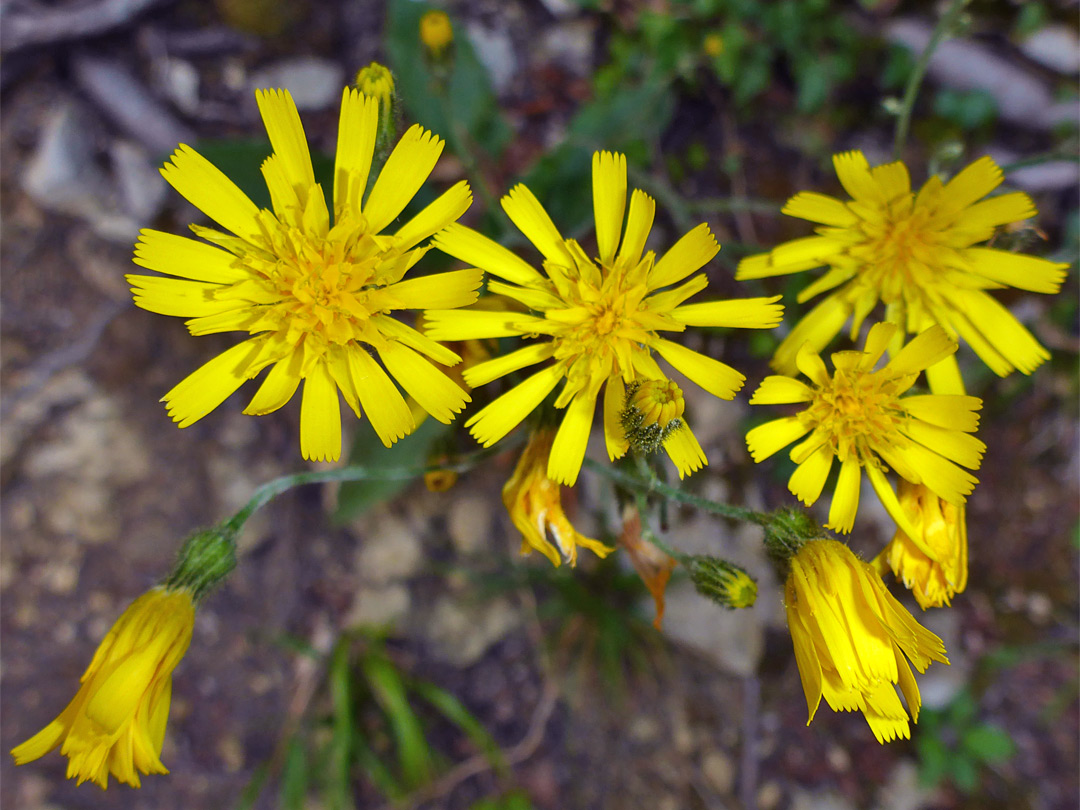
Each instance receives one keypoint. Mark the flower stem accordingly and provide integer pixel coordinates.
(941, 32)
(648, 487)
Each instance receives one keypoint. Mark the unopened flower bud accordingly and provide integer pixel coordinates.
(436, 33)
(722, 582)
(377, 81)
(206, 558)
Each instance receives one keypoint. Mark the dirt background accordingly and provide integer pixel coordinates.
(99, 486)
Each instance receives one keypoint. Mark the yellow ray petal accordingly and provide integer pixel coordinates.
(172, 296)
(458, 288)
(203, 185)
(450, 205)
(973, 183)
(278, 387)
(506, 412)
(475, 249)
(925, 349)
(287, 138)
(955, 412)
(813, 249)
(765, 440)
(819, 208)
(777, 390)
(719, 379)
(893, 180)
(320, 417)
(180, 256)
(614, 436)
(685, 451)
(404, 172)
(810, 364)
(526, 212)
(854, 173)
(944, 377)
(568, 449)
(762, 266)
(845, 500)
(944, 478)
(391, 327)
(692, 252)
(744, 313)
(1001, 210)
(609, 200)
(638, 225)
(809, 477)
(358, 126)
(963, 448)
(1001, 328)
(485, 372)
(819, 326)
(1016, 269)
(210, 384)
(434, 391)
(379, 398)
(887, 495)
(471, 324)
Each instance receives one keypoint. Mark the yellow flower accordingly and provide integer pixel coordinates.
(713, 44)
(316, 296)
(598, 319)
(943, 530)
(917, 254)
(851, 635)
(534, 502)
(653, 417)
(436, 32)
(859, 417)
(116, 723)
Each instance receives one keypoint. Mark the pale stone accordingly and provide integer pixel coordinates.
(378, 606)
(389, 551)
(719, 772)
(462, 631)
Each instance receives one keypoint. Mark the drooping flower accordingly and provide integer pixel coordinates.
(317, 296)
(534, 502)
(919, 255)
(116, 722)
(932, 580)
(851, 635)
(858, 416)
(597, 319)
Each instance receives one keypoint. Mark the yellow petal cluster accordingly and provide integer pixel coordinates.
(932, 579)
(858, 416)
(315, 288)
(436, 32)
(534, 502)
(919, 254)
(594, 321)
(116, 722)
(851, 637)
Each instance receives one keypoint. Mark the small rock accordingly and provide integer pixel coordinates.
(719, 772)
(141, 186)
(569, 45)
(1021, 98)
(495, 50)
(180, 81)
(904, 790)
(469, 523)
(769, 796)
(561, 8)
(389, 551)
(940, 684)
(314, 83)
(460, 633)
(644, 728)
(231, 752)
(802, 799)
(1056, 47)
(378, 606)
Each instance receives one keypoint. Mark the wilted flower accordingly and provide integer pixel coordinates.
(942, 528)
(851, 635)
(534, 502)
(116, 722)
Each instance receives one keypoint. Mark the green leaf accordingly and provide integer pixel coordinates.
(964, 774)
(341, 743)
(388, 687)
(356, 497)
(454, 710)
(989, 743)
(466, 102)
(294, 778)
(933, 759)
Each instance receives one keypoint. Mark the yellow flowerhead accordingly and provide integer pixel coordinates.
(943, 530)
(317, 296)
(436, 32)
(857, 415)
(916, 253)
(597, 318)
(851, 635)
(534, 502)
(116, 723)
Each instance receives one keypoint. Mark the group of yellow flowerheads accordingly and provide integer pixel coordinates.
(322, 283)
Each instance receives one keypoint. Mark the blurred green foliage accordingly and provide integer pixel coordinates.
(954, 745)
(372, 722)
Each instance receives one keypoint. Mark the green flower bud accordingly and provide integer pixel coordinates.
(722, 582)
